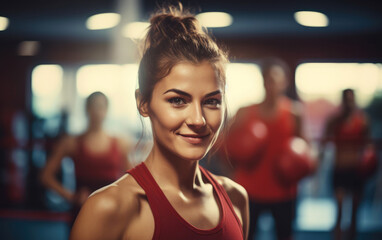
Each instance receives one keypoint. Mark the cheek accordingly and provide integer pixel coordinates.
(214, 119)
(101, 113)
(164, 117)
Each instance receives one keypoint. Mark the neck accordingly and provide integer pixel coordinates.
(173, 171)
(94, 128)
(346, 112)
(270, 102)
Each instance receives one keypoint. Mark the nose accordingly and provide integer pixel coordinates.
(195, 118)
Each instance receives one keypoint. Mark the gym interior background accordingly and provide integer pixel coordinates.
(51, 58)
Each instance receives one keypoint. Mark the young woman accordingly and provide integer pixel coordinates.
(349, 131)
(169, 196)
(99, 159)
(280, 121)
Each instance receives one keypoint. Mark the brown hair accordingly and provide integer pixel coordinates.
(175, 36)
(90, 99)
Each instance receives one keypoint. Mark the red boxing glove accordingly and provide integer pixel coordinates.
(295, 162)
(368, 164)
(245, 141)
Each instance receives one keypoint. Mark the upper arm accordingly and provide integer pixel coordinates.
(329, 129)
(95, 219)
(297, 114)
(366, 127)
(63, 148)
(101, 217)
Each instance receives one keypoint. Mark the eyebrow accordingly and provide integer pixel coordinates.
(213, 93)
(180, 92)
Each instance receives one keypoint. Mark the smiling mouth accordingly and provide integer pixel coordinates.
(193, 139)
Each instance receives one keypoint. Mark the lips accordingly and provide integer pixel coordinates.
(193, 138)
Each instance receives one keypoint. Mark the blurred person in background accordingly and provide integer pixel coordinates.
(99, 158)
(354, 156)
(258, 145)
(169, 196)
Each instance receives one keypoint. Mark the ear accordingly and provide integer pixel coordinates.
(141, 106)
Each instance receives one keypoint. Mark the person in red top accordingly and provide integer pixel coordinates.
(99, 158)
(278, 120)
(169, 196)
(348, 129)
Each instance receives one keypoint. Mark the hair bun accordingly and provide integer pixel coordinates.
(170, 24)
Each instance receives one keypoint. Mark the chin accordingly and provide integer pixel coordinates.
(192, 154)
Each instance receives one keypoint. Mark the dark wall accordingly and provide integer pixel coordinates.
(363, 48)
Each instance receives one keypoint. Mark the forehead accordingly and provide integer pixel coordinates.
(276, 74)
(97, 100)
(277, 71)
(349, 94)
(191, 78)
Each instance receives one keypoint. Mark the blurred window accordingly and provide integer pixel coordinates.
(327, 80)
(244, 86)
(46, 90)
(118, 83)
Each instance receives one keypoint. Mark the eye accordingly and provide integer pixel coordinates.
(213, 102)
(177, 101)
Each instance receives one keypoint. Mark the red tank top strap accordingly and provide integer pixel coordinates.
(144, 178)
(222, 193)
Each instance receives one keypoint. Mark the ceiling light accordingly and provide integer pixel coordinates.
(4, 22)
(215, 19)
(135, 30)
(311, 19)
(103, 21)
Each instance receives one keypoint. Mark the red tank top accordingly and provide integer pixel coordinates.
(261, 181)
(169, 225)
(94, 171)
(352, 132)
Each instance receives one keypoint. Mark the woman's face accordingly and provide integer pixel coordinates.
(97, 110)
(349, 100)
(275, 81)
(185, 110)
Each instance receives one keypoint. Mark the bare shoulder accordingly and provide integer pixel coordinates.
(124, 144)
(235, 191)
(108, 211)
(67, 144)
(242, 113)
(119, 197)
(243, 110)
